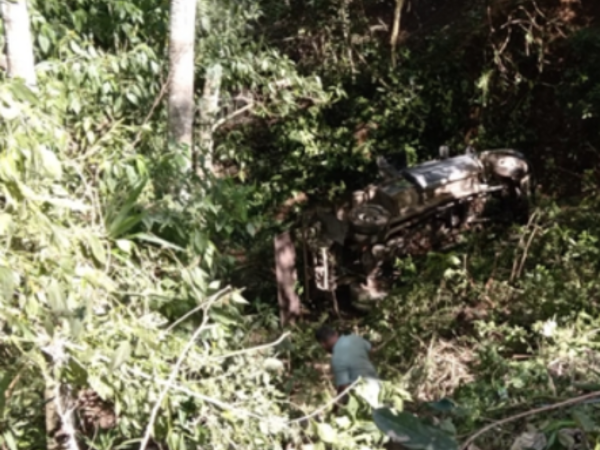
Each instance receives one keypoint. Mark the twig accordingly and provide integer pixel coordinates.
(175, 371)
(522, 244)
(526, 251)
(196, 309)
(204, 398)
(157, 100)
(325, 406)
(13, 383)
(256, 348)
(230, 407)
(163, 91)
(336, 307)
(234, 114)
(532, 412)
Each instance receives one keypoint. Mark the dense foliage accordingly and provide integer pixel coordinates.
(112, 285)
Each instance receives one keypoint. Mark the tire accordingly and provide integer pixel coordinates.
(369, 219)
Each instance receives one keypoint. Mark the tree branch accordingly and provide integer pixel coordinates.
(175, 371)
(487, 428)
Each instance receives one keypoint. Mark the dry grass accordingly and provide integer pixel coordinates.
(441, 367)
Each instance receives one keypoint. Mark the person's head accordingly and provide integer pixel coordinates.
(327, 337)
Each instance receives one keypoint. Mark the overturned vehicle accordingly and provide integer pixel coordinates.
(410, 211)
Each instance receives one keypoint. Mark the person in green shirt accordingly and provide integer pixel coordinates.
(349, 359)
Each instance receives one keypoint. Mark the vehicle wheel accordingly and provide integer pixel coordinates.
(519, 203)
(522, 211)
(369, 219)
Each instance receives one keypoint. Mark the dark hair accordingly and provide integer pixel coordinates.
(325, 333)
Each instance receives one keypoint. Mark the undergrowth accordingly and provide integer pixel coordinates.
(503, 325)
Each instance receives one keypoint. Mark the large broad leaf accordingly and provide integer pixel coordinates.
(408, 430)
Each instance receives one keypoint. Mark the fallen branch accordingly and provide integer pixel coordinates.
(205, 398)
(532, 412)
(523, 243)
(330, 403)
(190, 313)
(175, 371)
(231, 116)
(163, 91)
(255, 348)
(240, 411)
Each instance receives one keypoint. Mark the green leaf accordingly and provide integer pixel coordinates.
(9, 440)
(97, 249)
(566, 439)
(221, 318)
(75, 327)
(48, 324)
(588, 387)
(352, 406)
(50, 163)
(156, 240)
(273, 364)
(4, 383)
(7, 283)
(96, 278)
(327, 433)
(122, 221)
(584, 421)
(124, 224)
(6, 222)
(124, 245)
(236, 297)
(55, 296)
(448, 426)
(44, 43)
(23, 92)
(121, 355)
(407, 429)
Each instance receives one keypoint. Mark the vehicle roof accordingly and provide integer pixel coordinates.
(442, 172)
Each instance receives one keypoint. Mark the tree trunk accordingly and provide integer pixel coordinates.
(19, 45)
(209, 107)
(396, 28)
(285, 271)
(182, 34)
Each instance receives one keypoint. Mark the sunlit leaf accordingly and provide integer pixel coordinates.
(327, 433)
(7, 283)
(97, 249)
(121, 355)
(156, 240)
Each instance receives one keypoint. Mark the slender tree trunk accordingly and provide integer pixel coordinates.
(181, 72)
(209, 107)
(19, 45)
(396, 28)
(285, 271)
